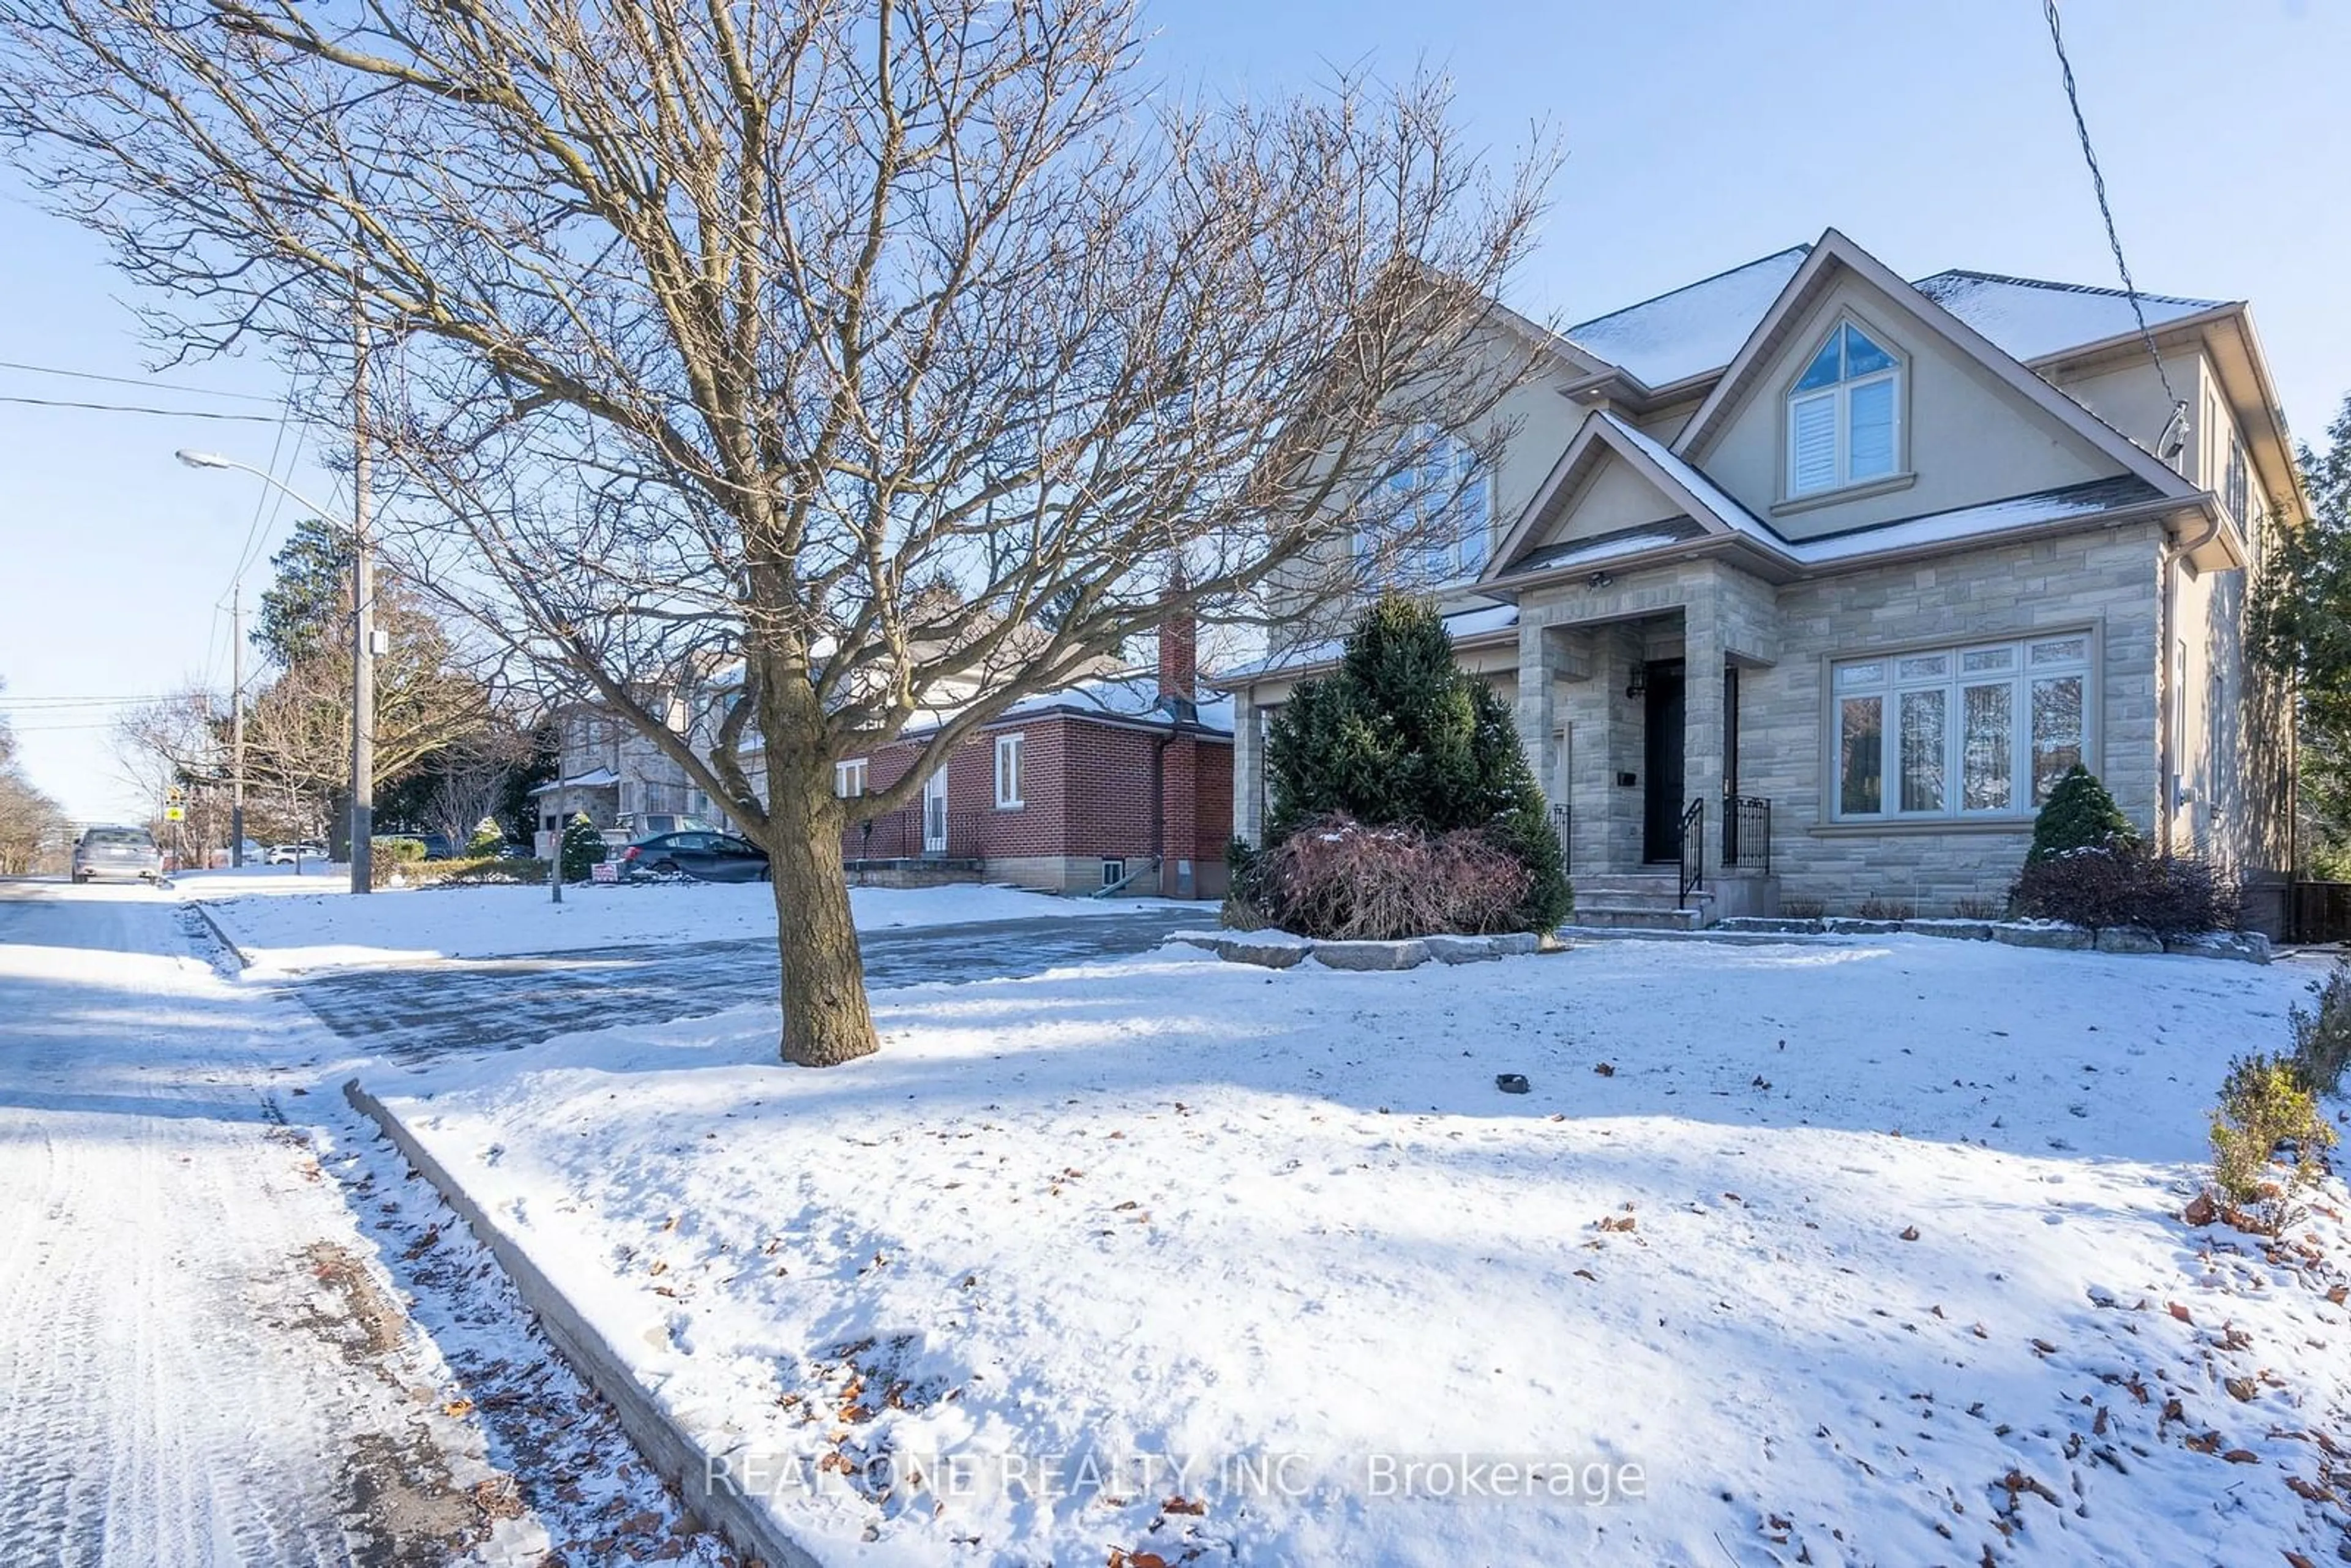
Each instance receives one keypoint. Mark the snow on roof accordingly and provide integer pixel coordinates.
(1700, 327)
(1594, 549)
(2028, 317)
(596, 780)
(1966, 522)
(1132, 697)
(1696, 328)
(1460, 624)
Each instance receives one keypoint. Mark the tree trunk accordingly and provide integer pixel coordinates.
(826, 1020)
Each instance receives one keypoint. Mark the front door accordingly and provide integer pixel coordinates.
(935, 813)
(1662, 714)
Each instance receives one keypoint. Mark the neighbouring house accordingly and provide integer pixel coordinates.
(1122, 781)
(1808, 582)
(617, 776)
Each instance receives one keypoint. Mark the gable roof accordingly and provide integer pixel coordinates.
(1695, 497)
(2030, 317)
(1713, 513)
(1691, 330)
(1699, 327)
(1835, 253)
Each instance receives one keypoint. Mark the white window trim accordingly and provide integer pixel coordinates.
(2021, 675)
(844, 771)
(1841, 395)
(1010, 746)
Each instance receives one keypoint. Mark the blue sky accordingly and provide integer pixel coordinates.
(1699, 135)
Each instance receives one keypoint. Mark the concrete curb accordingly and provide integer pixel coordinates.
(243, 959)
(671, 1451)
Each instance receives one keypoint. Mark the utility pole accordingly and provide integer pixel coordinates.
(362, 610)
(236, 724)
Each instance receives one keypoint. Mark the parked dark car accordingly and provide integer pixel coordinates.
(437, 846)
(708, 857)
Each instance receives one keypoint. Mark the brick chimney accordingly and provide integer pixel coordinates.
(1179, 657)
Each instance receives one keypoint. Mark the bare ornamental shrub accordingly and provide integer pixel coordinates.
(1978, 908)
(2127, 884)
(1888, 909)
(1337, 879)
(1802, 908)
(2264, 1105)
(2322, 1035)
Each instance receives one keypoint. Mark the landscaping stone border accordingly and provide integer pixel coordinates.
(678, 1453)
(1281, 950)
(2245, 947)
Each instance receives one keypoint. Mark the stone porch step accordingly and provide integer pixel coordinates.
(1635, 890)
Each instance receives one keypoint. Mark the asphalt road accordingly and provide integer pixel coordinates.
(408, 1012)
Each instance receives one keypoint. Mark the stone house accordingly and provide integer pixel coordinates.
(1807, 582)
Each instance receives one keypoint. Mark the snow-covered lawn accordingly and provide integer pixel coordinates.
(1831, 1254)
(284, 925)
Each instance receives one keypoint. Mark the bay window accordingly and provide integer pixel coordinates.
(1980, 730)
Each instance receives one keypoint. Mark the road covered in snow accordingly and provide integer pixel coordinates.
(231, 1331)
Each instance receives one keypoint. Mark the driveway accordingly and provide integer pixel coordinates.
(407, 1012)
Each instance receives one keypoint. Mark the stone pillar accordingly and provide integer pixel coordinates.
(1249, 771)
(1703, 646)
(1536, 706)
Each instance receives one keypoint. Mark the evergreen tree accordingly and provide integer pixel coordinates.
(583, 846)
(1400, 735)
(2079, 814)
(2302, 624)
(488, 838)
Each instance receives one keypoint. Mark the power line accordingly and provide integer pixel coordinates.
(13, 704)
(133, 382)
(2105, 211)
(129, 408)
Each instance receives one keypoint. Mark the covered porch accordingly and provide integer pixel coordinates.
(1629, 706)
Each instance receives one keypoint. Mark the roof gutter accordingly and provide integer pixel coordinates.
(1507, 637)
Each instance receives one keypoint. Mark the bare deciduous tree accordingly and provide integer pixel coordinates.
(910, 356)
(31, 826)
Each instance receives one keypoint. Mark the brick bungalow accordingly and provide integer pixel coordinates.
(1124, 781)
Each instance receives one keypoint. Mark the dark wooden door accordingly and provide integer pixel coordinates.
(1662, 716)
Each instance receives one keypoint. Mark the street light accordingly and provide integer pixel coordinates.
(363, 651)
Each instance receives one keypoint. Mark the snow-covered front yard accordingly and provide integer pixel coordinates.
(1833, 1254)
(285, 924)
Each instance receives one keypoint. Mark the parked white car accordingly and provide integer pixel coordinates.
(291, 854)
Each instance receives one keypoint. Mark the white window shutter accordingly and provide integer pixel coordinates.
(1812, 444)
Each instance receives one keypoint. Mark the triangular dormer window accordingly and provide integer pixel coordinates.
(1844, 415)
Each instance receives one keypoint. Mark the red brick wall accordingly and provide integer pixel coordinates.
(1086, 793)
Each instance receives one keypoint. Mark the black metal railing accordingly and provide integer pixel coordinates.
(1563, 822)
(904, 835)
(1747, 833)
(1693, 851)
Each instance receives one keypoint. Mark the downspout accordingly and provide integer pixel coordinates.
(1159, 800)
(2168, 703)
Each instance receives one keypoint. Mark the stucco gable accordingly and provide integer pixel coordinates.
(1612, 484)
(1975, 424)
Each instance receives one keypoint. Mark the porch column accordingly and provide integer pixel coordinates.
(1536, 708)
(1703, 647)
(1249, 771)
